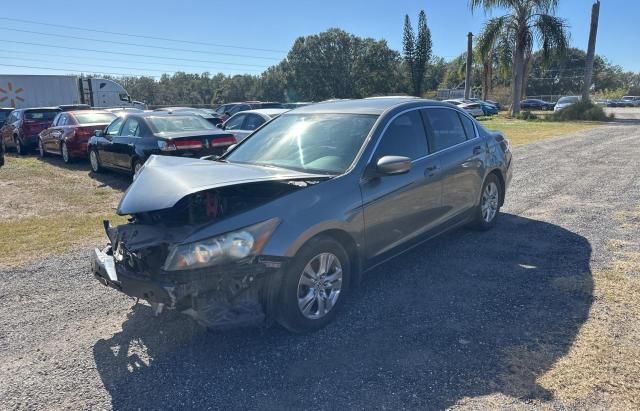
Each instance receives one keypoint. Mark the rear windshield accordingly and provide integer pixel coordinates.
(568, 100)
(271, 105)
(92, 118)
(176, 124)
(41, 115)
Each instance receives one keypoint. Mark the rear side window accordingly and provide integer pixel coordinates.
(467, 124)
(446, 128)
(404, 137)
(253, 122)
(131, 127)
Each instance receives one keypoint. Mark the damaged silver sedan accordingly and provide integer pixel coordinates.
(281, 226)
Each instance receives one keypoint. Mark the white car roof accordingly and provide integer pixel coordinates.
(271, 112)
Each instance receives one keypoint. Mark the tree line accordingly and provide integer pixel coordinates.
(337, 64)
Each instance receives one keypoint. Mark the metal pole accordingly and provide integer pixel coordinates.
(467, 81)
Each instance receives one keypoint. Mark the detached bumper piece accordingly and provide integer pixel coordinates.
(229, 297)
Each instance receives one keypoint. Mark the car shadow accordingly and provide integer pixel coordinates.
(465, 315)
(114, 180)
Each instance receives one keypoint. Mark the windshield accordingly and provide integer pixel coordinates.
(176, 124)
(321, 143)
(41, 115)
(565, 100)
(93, 118)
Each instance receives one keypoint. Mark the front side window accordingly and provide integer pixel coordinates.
(114, 127)
(404, 137)
(315, 143)
(446, 128)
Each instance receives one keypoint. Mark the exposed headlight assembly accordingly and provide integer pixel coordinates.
(225, 248)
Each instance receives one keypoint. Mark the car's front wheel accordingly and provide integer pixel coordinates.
(314, 286)
(41, 150)
(487, 211)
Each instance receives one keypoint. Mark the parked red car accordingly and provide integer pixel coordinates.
(23, 126)
(70, 132)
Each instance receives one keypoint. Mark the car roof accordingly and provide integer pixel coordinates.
(266, 111)
(376, 105)
(73, 112)
(40, 108)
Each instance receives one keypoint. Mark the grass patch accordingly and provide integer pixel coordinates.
(603, 363)
(523, 132)
(47, 207)
(33, 238)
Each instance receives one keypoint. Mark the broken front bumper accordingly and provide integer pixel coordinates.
(230, 296)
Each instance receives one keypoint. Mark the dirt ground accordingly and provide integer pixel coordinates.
(541, 312)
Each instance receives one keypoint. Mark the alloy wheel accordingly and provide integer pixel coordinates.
(65, 153)
(93, 159)
(319, 286)
(490, 198)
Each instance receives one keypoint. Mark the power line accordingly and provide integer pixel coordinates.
(73, 71)
(130, 54)
(141, 36)
(91, 65)
(210, 69)
(137, 44)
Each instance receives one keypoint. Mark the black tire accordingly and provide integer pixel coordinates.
(289, 314)
(64, 152)
(480, 220)
(20, 148)
(135, 165)
(41, 151)
(96, 167)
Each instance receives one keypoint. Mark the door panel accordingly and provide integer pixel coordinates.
(400, 208)
(461, 154)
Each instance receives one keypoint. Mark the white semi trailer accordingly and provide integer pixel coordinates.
(23, 91)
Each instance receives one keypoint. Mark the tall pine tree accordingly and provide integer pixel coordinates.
(417, 52)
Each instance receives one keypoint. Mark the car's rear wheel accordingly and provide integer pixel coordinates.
(41, 150)
(95, 161)
(487, 211)
(314, 286)
(66, 156)
(20, 148)
(135, 167)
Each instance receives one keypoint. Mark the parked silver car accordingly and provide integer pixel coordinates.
(283, 225)
(246, 122)
(565, 102)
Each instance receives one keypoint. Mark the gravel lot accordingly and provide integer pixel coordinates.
(432, 329)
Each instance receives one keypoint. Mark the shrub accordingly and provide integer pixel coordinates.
(526, 115)
(583, 110)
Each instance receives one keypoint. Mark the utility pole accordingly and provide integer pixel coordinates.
(467, 80)
(591, 51)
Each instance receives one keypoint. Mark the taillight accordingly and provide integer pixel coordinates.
(187, 144)
(83, 132)
(222, 141)
(179, 145)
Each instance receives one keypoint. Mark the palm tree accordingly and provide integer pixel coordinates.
(526, 22)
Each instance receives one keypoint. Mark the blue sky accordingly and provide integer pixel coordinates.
(272, 25)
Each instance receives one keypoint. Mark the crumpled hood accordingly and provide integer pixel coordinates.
(165, 180)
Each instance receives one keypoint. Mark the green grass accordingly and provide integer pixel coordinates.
(523, 132)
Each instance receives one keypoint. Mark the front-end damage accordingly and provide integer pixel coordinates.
(147, 258)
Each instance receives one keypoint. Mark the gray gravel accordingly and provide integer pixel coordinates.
(429, 330)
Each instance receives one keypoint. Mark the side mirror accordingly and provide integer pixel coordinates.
(393, 165)
(99, 133)
(231, 147)
(220, 126)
